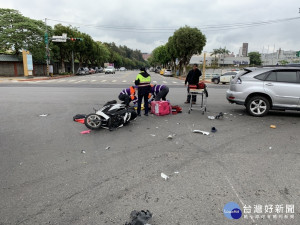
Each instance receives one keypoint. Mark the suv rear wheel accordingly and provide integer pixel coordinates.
(258, 106)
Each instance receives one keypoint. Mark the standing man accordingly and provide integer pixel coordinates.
(159, 92)
(143, 80)
(127, 95)
(192, 79)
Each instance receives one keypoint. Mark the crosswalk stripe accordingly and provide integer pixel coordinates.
(114, 81)
(174, 82)
(124, 81)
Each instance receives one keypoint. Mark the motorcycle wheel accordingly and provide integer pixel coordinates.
(93, 121)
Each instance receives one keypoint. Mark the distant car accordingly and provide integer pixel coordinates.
(261, 89)
(168, 73)
(215, 79)
(110, 69)
(227, 77)
(162, 71)
(157, 70)
(122, 69)
(82, 71)
(91, 71)
(98, 69)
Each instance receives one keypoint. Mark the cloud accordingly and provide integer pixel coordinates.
(145, 14)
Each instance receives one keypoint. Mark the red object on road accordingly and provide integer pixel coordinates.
(80, 120)
(161, 108)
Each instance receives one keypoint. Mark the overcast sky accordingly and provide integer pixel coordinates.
(144, 15)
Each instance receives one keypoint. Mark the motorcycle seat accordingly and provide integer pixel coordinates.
(110, 102)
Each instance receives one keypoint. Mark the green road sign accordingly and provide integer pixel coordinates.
(46, 38)
(298, 54)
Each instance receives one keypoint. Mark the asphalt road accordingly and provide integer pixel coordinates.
(45, 179)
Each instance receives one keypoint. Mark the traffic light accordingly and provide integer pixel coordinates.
(75, 39)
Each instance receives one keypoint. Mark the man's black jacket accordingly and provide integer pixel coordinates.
(193, 76)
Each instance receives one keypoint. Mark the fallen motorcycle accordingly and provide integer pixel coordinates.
(111, 116)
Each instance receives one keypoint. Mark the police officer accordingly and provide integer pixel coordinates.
(127, 95)
(159, 92)
(143, 80)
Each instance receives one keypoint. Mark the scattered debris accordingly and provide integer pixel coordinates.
(270, 148)
(201, 132)
(211, 117)
(170, 136)
(139, 218)
(21, 163)
(214, 130)
(219, 116)
(225, 113)
(153, 135)
(83, 152)
(156, 127)
(241, 114)
(176, 172)
(43, 115)
(178, 123)
(273, 126)
(230, 114)
(85, 132)
(108, 147)
(164, 176)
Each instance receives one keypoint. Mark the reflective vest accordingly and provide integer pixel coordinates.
(129, 91)
(144, 81)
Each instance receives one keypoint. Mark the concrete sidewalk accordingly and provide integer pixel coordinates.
(36, 78)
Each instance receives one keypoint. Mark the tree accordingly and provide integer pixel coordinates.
(220, 51)
(161, 56)
(171, 49)
(283, 62)
(19, 32)
(255, 58)
(188, 41)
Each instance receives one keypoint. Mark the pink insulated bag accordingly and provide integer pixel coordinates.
(160, 108)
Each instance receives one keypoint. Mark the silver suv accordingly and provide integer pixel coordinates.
(263, 88)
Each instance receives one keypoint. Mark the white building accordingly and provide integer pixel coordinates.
(279, 56)
(228, 60)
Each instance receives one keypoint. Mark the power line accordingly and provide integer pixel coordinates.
(170, 29)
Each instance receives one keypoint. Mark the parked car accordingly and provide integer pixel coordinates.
(215, 79)
(266, 88)
(82, 71)
(157, 70)
(109, 69)
(227, 77)
(162, 71)
(122, 69)
(168, 73)
(91, 71)
(99, 69)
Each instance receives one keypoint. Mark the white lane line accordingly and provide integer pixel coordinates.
(79, 81)
(154, 81)
(93, 80)
(103, 81)
(114, 81)
(165, 82)
(61, 81)
(124, 81)
(174, 82)
(71, 81)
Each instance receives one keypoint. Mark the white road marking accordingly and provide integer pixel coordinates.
(61, 81)
(165, 82)
(124, 81)
(79, 81)
(71, 81)
(174, 82)
(103, 81)
(154, 81)
(93, 80)
(114, 81)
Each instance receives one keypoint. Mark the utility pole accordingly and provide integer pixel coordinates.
(47, 47)
(73, 70)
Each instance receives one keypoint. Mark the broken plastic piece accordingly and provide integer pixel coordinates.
(79, 121)
(201, 132)
(43, 115)
(83, 152)
(85, 132)
(108, 147)
(139, 218)
(219, 116)
(273, 126)
(270, 148)
(176, 172)
(211, 117)
(170, 136)
(164, 176)
(153, 135)
(214, 130)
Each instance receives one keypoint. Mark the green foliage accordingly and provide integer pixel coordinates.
(19, 32)
(283, 62)
(255, 58)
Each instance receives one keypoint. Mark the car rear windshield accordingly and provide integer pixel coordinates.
(110, 67)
